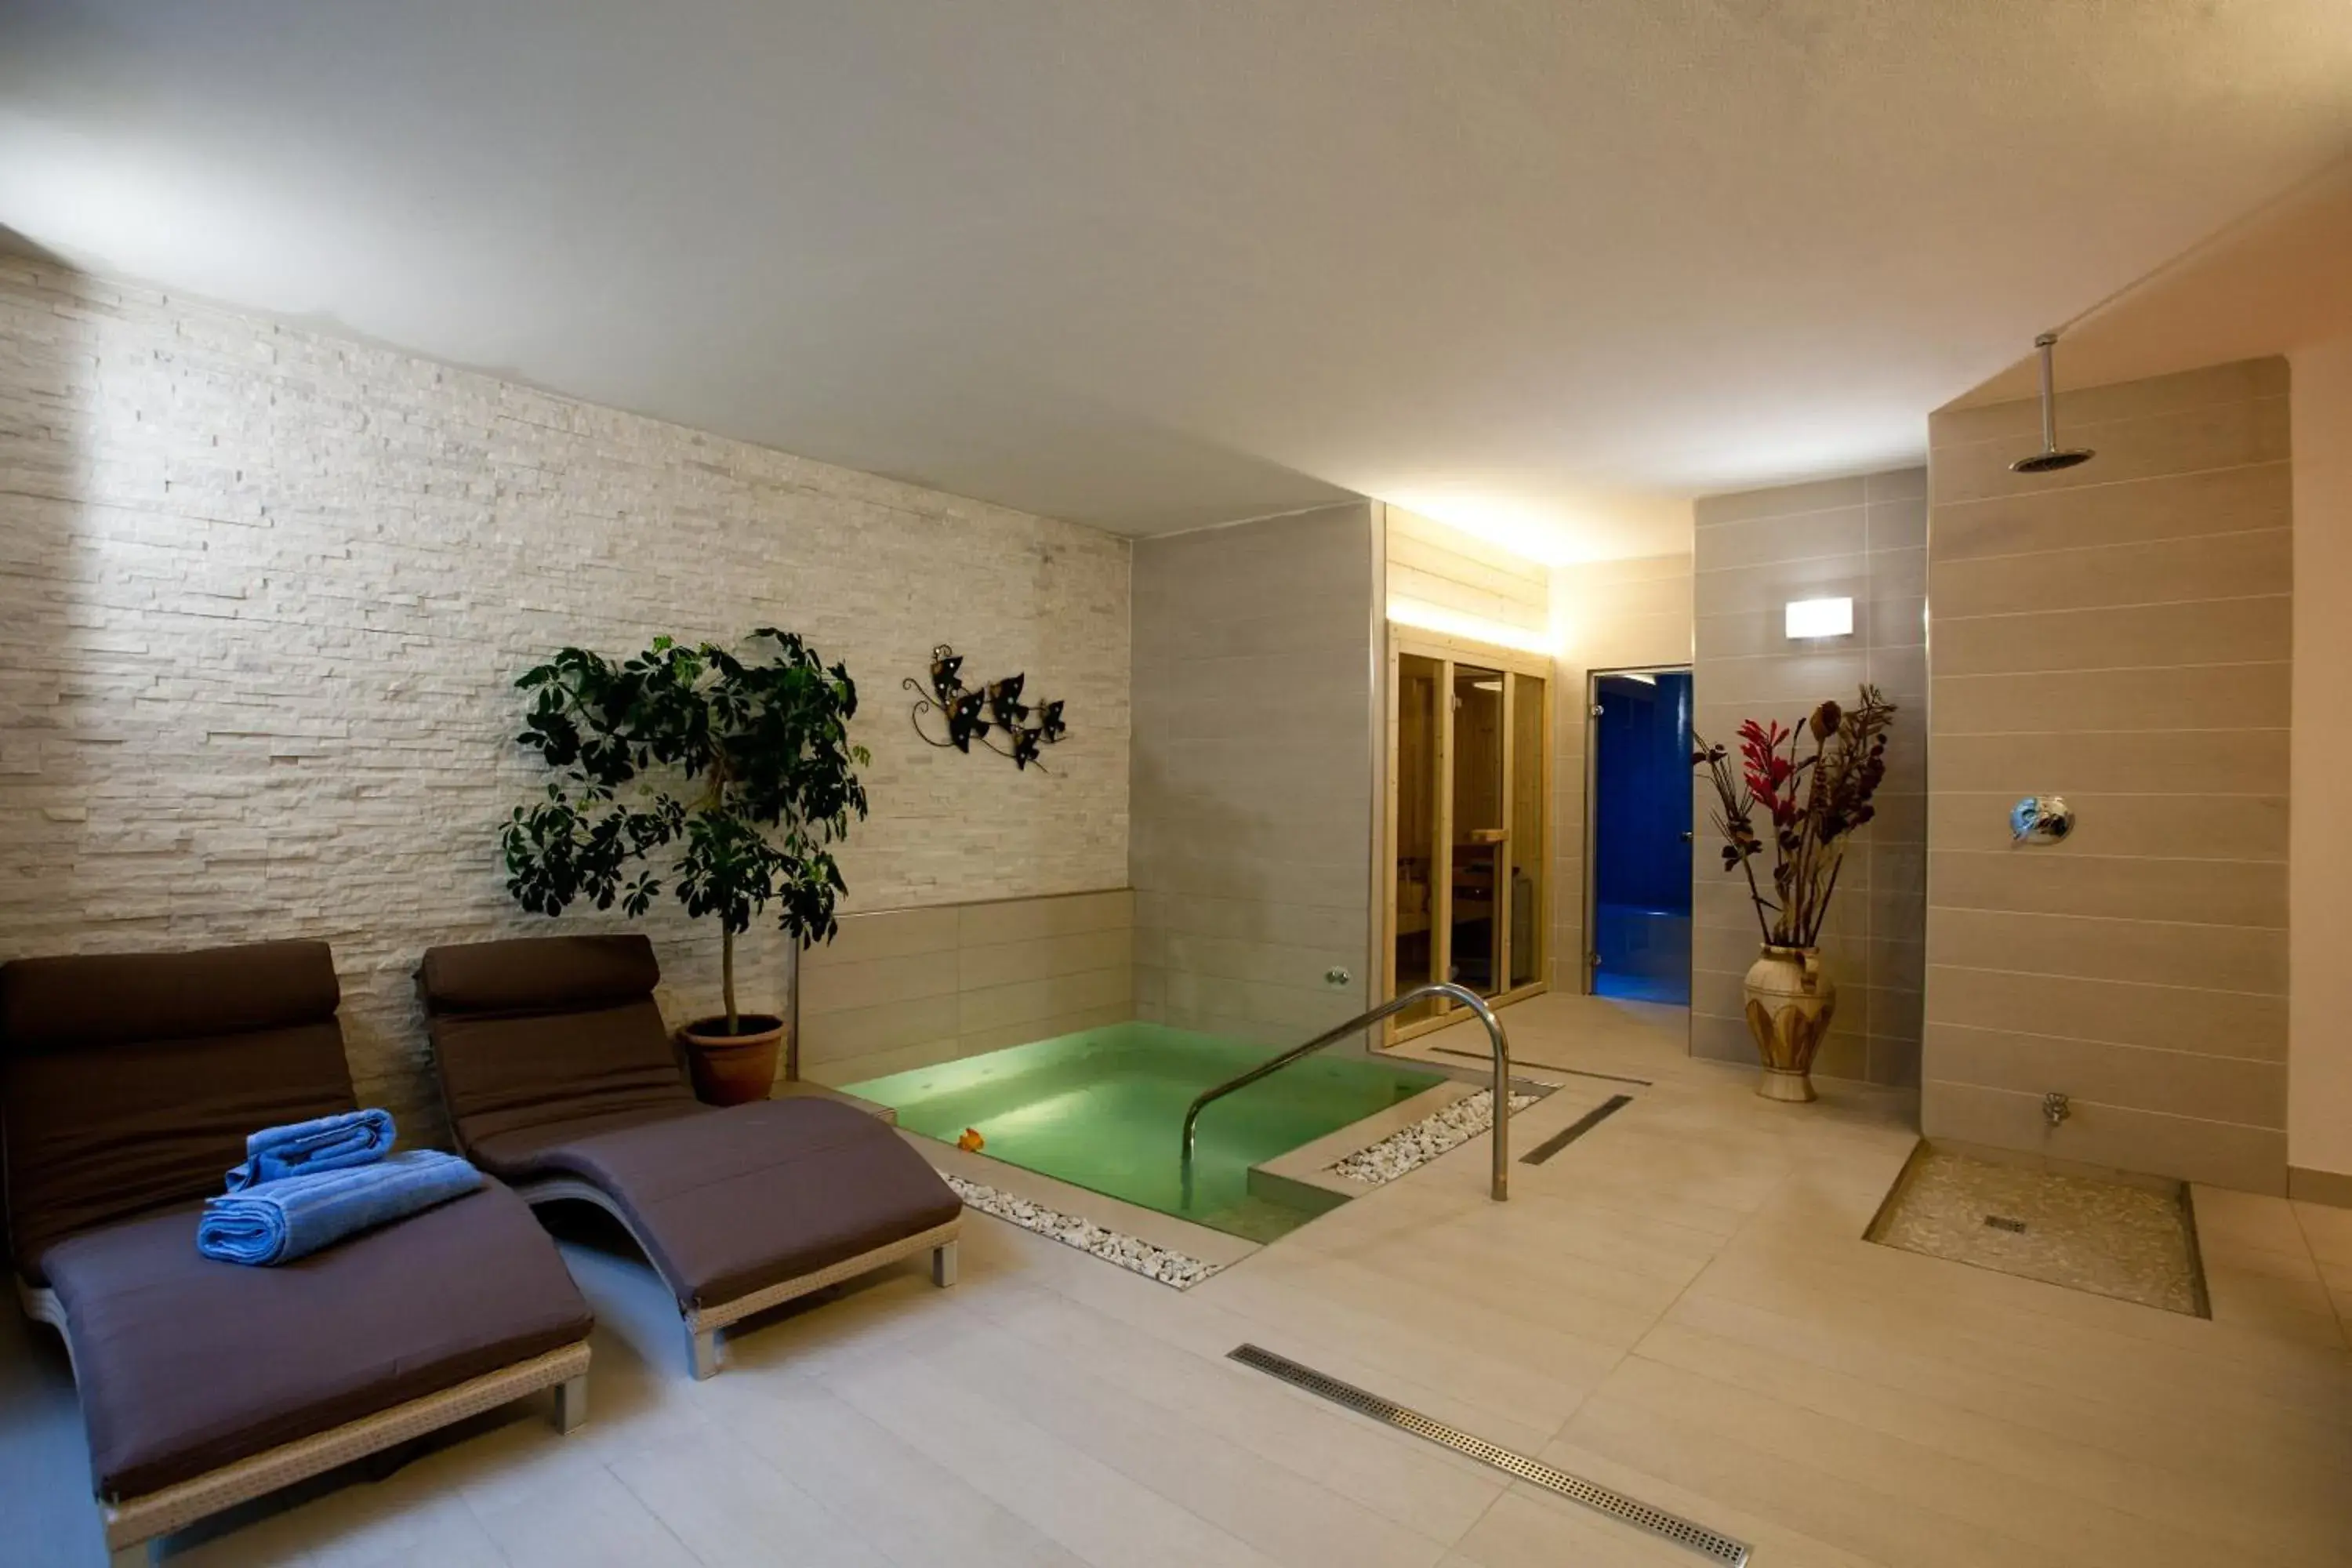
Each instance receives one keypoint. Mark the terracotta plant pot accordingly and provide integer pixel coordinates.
(1791, 1002)
(737, 1068)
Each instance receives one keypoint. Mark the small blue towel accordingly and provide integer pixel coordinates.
(330, 1143)
(280, 1221)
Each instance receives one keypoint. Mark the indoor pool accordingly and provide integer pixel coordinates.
(1102, 1110)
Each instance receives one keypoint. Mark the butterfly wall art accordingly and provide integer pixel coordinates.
(970, 715)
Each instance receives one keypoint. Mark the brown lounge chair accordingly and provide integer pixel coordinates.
(560, 1077)
(127, 1086)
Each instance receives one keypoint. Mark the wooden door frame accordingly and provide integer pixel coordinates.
(1451, 650)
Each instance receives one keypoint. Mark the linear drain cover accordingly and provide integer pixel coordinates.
(1706, 1542)
(2002, 1222)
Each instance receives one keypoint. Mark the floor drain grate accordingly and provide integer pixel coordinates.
(2002, 1222)
(1707, 1543)
(1570, 1134)
(1541, 1066)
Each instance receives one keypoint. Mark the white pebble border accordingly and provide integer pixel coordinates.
(1412, 1147)
(1128, 1252)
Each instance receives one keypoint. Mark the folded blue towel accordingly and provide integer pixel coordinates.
(330, 1143)
(280, 1221)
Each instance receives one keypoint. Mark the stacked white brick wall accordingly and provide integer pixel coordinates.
(263, 594)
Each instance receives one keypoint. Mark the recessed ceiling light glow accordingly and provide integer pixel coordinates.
(1432, 618)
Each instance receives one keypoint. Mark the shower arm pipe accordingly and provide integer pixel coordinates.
(2048, 343)
(1397, 1004)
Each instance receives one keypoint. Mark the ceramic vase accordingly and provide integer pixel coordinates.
(1791, 1000)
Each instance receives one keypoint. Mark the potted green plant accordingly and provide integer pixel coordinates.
(1810, 806)
(740, 769)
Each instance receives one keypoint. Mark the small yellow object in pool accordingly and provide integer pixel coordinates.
(972, 1142)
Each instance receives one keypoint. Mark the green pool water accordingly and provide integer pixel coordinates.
(1103, 1110)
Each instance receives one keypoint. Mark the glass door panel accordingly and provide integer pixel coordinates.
(1420, 744)
(1529, 847)
(1641, 744)
(1480, 837)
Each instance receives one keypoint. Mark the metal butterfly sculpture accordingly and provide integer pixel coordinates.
(971, 714)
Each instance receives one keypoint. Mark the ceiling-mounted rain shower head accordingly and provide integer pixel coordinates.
(2050, 460)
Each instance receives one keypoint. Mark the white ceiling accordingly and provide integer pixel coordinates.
(1543, 271)
(2277, 282)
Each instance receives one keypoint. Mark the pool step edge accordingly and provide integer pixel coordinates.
(1165, 1230)
(1302, 1177)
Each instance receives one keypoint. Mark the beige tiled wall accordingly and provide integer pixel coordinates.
(904, 988)
(1612, 615)
(2319, 875)
(1430, 563)
(2120, 633)
(1251, 825)
(1862, 538)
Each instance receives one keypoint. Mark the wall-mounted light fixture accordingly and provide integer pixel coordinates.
(1820, 617)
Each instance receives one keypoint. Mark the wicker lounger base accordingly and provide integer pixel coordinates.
(705, 1351)
(135, 1526)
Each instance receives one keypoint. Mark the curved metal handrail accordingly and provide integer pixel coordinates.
(1397, 1004)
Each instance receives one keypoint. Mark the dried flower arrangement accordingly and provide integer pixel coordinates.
(1811, 803)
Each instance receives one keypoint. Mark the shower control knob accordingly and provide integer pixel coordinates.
(2041, 819)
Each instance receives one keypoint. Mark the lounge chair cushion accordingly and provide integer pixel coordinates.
(732, 1201)
(128, 1082)
(185, 1364)
(534, 1033)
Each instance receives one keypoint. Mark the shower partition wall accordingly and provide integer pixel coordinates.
(1468, 846)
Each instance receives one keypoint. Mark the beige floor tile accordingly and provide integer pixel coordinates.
(1268, 1504)
(1524, 1532)
(2290, 1309)
(733, 1509)
(1539, 1281)
(2282, 1459)
(407, 1517)
(2249, 1219)
(1496, 1368)
(1791, 1491)
(2326, 1230)
(270, 1537)
(2041, 1329)
(589, 1521)
(1068, 1494)
(899, 1499)
(2178, 1498)
(2225, 1251)
(1769, 1542)
(2033, 1517)
(1396, 1477)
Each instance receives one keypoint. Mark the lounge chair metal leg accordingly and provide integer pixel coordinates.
(572, 1403)
(943, 1265)
(704, 1351)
